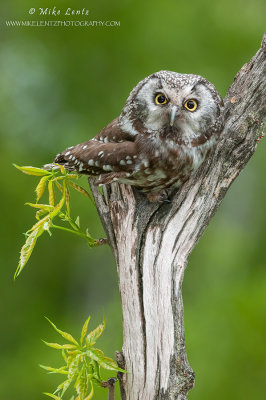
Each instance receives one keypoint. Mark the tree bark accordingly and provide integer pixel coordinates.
(152, 243)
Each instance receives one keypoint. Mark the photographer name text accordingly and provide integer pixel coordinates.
(56, 11)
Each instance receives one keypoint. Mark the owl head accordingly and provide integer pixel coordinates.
(166, 102)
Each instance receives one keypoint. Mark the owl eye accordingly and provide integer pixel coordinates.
(191, 105)
(160, 99)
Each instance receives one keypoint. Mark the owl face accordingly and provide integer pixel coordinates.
(168, 101)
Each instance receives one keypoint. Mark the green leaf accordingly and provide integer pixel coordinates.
(67, 196)
(59, 346)
(73, 367)
(91, 242)
(72, 176)
(59, 178)
(57, 208)
(73, 371)
(53, 396)
(64, 386)
(46, 226)
(88, 234)
(79, 189)
(96, 333)
(70, 358)
(95, 354)
(39, 213)
(34, 233)
(64, 356)
(52, 370)
(81, 384)
(40, 187)
(108, 363)
(32, 170)
(45, 207)
(39, 224)
(105, 362)
(77, 222)
(84, 330)
(62, 169)
(58, 186)
(89, 397)
(96, 371)
(27, 249)
(53, 213)
(65, 335)
(51, 193)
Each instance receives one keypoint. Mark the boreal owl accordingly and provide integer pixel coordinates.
(168, 126)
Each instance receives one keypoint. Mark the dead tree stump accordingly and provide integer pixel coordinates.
(152, 242)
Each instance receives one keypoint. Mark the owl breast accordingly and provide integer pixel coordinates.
(166, 163)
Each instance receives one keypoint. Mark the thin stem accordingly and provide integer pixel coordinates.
(111, 392)
(69, 230)
(110, 385)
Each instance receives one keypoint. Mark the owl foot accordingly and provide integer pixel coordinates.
(158, 197)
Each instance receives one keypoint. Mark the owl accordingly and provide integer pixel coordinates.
(167, 128)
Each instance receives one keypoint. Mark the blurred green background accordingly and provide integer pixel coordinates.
(59, 87)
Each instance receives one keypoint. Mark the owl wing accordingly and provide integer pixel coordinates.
(112, 150)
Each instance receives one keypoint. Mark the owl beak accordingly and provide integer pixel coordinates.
(173, 115)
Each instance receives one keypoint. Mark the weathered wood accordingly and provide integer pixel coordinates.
(152, 243)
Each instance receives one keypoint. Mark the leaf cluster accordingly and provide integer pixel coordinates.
(57, 180)
(82, 363)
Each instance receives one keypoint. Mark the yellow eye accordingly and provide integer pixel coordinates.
(160, 99)
(191, 105)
